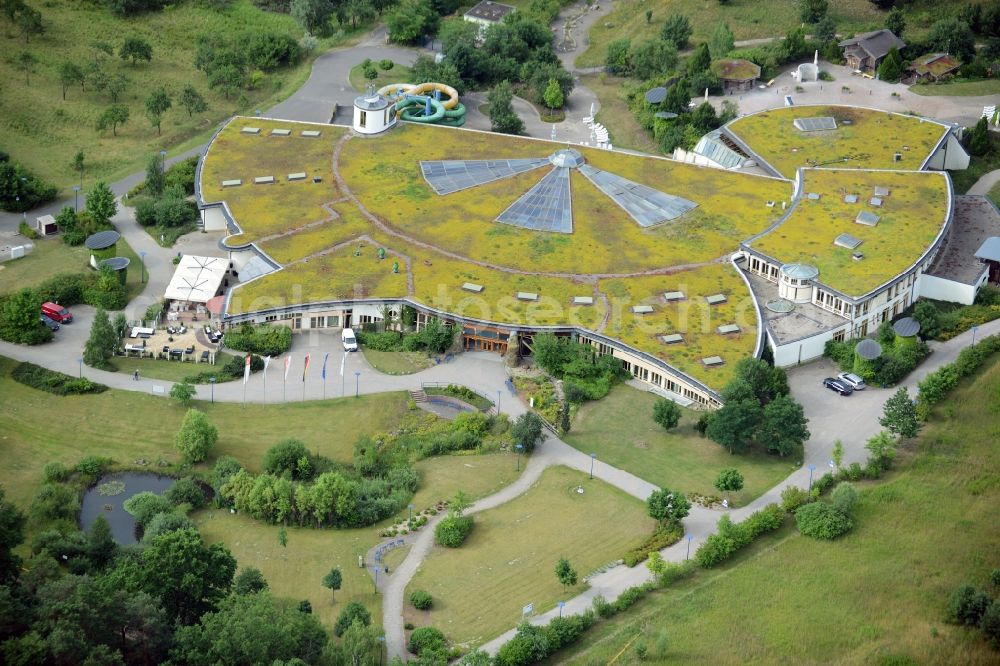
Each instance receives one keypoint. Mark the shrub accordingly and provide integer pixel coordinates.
(990, 624)
(161, 523)
(730, 537)
(793, 497)
(630, 596)
(145, 505)
(186, 491)
(262, 339)
(354, 610)
(55, 472)
(55, 501)
(92, 467)
(425, 638)
(824, 483)
(51, 381)
(666, 413)
(602, 607)
(421, 599)
(289, 456)
(822, 521)
(665, 534)
(967, 605)
(844, 498)
(453, 530)
(474, 423)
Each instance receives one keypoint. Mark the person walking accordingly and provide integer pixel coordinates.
(135, 376)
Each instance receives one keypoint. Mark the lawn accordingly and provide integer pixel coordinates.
(171, 371)
(623, 129)
(919, 534)
(979, 166)
(509, 558)
(398, 74)
(910, 218)
(748, 19)
(959, 88)
(475, 475)
(397, 363)
(864, 139)
(43, 131)
(621, 431)
(52, 256)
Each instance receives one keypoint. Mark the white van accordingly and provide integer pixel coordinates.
(350, 342)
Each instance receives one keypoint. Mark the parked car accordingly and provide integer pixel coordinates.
(350, 342)
(838, 386)
(852, 380)
(51, 323)
(57, 312)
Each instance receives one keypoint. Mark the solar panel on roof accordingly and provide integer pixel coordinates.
(656, 95)
(867, 219)
(447, 176)
(545, 207)
(848, 241)
(815, 124)
(644, 204)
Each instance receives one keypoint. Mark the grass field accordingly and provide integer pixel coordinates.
(171, 371)
(621, 431)
(748, 19)
(623, 129)
(397, 363)
(509, 559)
(959, 88)
(920, 533)
(475, 475)
(43, 131)
(52, 256)
(398, 74)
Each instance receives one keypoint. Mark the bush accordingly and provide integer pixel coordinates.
(352, 611)
(55, 501)
(421, 599)
(55, 472)
(822, 521)
(27, 231)
(51, 381)
(388, 341)
(92, 467)
(453, 530)
(186, 491)
(289, 456)
(731, 537)
(967, 605)
(425, 638)
(844, 498)
(262, 339)
(145, 505)
(793, 497)
(665, 534)
(162, 523)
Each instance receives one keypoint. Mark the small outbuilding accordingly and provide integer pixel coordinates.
(989, 254)
(932, 67)
(46, 225)
(737, 74)
(487, 13)
(373, 113)
(102, 245)
(865, 52)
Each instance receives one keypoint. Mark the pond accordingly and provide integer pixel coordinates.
(111, 505)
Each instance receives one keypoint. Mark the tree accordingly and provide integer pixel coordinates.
(101, 204)
(666, 413)
(979, 142)
(825, 30)
(891, 68)
(564, 424)
(192, 101)
(115, 85)
(11, 535)
(19, 318)
(527, 431)
(667, 506)
(811, 11)
(196, 436)
(332, 581)
(729, 481)
(700, 60)
(411, 20)
(102, 342)
(502, 116)
(651, 58)
(783, 429)
(734, 425)
(721, 42)
(187, 576)
(838, 453)
(882, 448)
(678, 97)
(113, 116)
(26, 62)
(156, 179)
(249, 581)
(286, 457)
(354, 610)
(565, 574)
(312, 15)
(101, 546)
(78, 164)
(553, 96)
(899, 416)
(967, 605)
(617, 59)
(929, 318)
(361, 646)
(29, 20)
(765, 381)
(183, 393)
(895, 21)
(157, 104)
(69, 74)
(147, 505)
(677, 29)
(135, 49)
(953, 36)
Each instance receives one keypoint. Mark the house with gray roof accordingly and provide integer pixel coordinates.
(866, 51)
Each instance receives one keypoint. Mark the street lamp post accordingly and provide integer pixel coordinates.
(163, 160)
(689, 538)
(76, 198)
(357, 383)
(80, 361)
(812, 468)
(211, 380)
(593, 456)
(518, 448)
(561, 604)
(974, 328)
(410, 507)
(142, 266)
(381, 651)
(498, 403)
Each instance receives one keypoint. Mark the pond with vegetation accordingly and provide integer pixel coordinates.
(108, 497)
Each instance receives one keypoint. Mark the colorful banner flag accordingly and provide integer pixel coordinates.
(288, 364)
(305, 368)
(325, 356)
(246, 370)
(267, 361)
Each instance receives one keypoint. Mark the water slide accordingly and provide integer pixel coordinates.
(423, 103)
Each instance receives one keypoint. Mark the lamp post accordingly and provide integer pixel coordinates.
(974, 328)
(561, 605)
(163, 160)
(76, 198)
(593, 456)
(689, 538)
(357, 383)
(498, 403)
(410, 507)
(377, 567)
(142, 266)
(80, 361)
(211, 381)
(812, 468)
(24, 213)
(381, 651)
(518, 448)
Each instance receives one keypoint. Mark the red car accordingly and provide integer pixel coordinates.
(56, 312)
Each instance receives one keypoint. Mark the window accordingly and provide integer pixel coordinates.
(271, 318)
(296, 321)
(839, 335)
(364, 118)
(333, 321)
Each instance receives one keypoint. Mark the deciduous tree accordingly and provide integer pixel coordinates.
(249, 581)
(668, 506)
(26, 62)
(192, 101)
(677, 29)
(527, 431)
(113, 116)
(666, 413)
(895, 21)
(157, 104)
(783, 428)
(135, 49)
(721, 42)
(502, 116)
(332, 581)
(553, 96)
(899, 415)
(70, 74)
(183, 393)
(729, 481)
(196, 436)
(565, 573)
(811, 11)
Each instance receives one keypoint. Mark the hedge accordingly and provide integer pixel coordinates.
(933, 388)
(732, 537)
(453, 530)
(262, 339)
(664, 535)
(51, 381)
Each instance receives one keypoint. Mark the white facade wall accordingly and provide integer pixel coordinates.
(803, 350)
(213, 218)
(941, 289)
(951, 155)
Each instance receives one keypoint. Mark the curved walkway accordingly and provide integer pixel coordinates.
(985, 183)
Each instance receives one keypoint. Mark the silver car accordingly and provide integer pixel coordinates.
(852, 380)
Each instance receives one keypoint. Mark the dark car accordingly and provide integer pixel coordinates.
(837, 385)
(51, 323)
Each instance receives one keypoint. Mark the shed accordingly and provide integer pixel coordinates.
(487, 13)
(46, 225)
(736, 74)
(865, 52)
(932, 67)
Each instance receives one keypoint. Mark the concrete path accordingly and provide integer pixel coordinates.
(985, 183)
